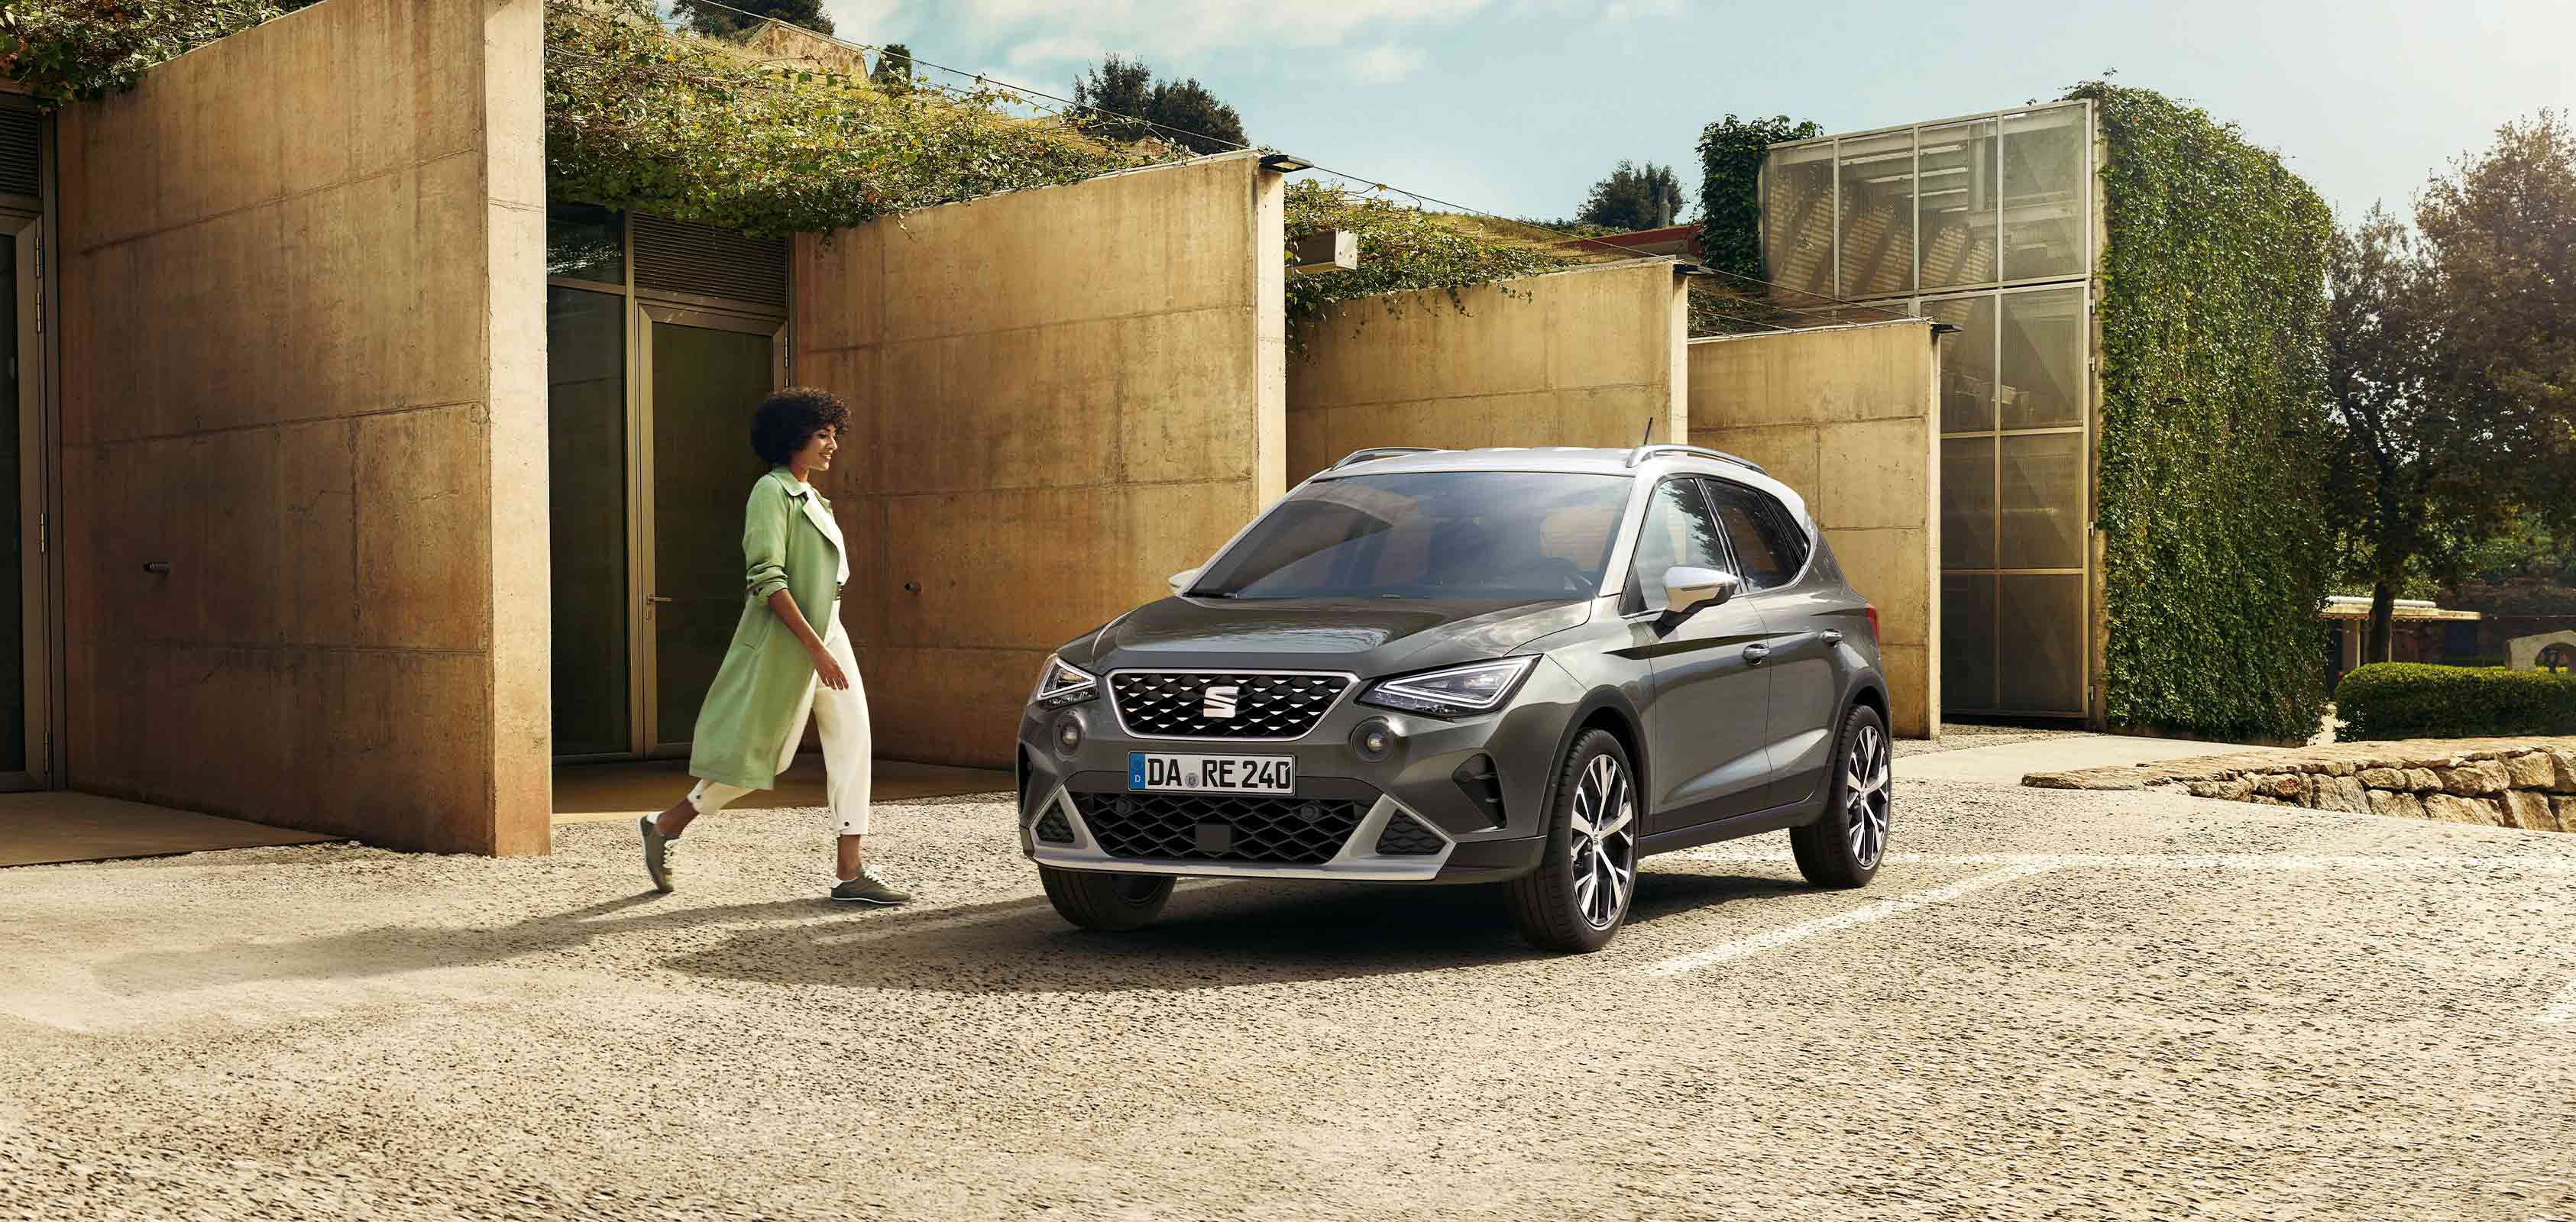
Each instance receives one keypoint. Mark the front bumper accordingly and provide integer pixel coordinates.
(1489, 832)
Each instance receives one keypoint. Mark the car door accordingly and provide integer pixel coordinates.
(1710, 710)
(1772, 550)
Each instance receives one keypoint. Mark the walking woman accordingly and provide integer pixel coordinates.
(781, 669)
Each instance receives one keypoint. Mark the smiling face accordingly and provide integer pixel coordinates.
(817, 452)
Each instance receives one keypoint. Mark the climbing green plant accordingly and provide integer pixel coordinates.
(1401, 248)
(79, 50)
(2211, 310)
(1730, 188)
(694, 130)
(702, 129)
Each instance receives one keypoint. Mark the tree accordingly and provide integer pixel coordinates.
(2408, 480)
(2499, 244)
(894, 68)
(1634, 198)
(718, 19)
(1194, 116)
(1122, 101)
(1730, 187)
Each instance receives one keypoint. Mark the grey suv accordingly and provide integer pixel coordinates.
(1523, 666)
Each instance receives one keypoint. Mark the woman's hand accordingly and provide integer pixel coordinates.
(828, 669)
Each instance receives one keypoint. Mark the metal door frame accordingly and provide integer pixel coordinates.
(644, 658)
(35, 550)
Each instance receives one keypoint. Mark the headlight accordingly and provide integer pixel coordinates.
(1062, 684)
(1460, 691)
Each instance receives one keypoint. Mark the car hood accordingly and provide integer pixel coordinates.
(1368, 637)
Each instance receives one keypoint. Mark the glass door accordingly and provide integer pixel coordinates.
(25, 745)
(703, 371)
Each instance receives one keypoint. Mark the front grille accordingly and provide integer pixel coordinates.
(1220, 827)
(1404, 837)
(1175, 704)
(1053, 829)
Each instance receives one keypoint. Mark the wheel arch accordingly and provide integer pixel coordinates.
(1608, 709)
(1870, 694)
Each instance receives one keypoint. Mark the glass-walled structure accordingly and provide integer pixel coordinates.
(660, 336)
(1985, 223)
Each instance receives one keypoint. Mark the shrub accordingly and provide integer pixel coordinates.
(2418, 700)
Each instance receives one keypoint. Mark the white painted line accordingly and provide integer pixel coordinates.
(2562, 1010)
(1841, 920)
(2176, 861)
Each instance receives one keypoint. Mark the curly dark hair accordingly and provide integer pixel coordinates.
(784, 420)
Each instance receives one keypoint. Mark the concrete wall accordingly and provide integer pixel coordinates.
(1063, 396)
(1848, 417)
(302, 282)
(1581, 358)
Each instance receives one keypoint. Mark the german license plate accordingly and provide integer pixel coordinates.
(1149, 771)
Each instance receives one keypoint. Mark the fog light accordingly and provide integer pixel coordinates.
(1373, 739)
(1068, 734)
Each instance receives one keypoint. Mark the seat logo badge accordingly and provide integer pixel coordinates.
(1217, 703)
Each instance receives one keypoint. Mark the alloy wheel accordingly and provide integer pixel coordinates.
(1867, 795)
(1603, 842)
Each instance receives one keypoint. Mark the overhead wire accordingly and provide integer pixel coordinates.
(1072, 120)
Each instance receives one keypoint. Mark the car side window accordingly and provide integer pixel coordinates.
(1771, 548)
(1678, 532)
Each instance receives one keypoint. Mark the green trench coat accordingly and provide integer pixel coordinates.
(755, 713)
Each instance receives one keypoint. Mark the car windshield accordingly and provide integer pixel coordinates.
(1508, 535)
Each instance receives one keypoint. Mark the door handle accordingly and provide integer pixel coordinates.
(655, 598)
(1755, 652)
(1832, 637)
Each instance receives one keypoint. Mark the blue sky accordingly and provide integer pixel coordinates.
(1517, 106)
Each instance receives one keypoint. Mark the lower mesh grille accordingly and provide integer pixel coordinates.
(1215, 827)
(1053, 829)
(1405, 837)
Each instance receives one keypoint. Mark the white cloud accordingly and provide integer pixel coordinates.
(1055, 49)
(1632, 10)
(1385, 64)
(874, 22)
(1172, 28)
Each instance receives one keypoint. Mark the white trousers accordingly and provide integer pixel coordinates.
(841, 720)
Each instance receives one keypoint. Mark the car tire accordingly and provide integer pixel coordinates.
(1561, 905)
(1844, 847)
(1094, 900)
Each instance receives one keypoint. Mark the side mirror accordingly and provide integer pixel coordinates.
(1689, 590)
(1183, 580)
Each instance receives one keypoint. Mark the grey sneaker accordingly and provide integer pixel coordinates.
(869, 889)
(657, 853)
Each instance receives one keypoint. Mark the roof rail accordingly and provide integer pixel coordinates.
(1644, 452)
(1381, 452)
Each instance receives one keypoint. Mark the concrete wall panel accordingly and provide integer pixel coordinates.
(1585, 358)
(1847, 416)
(1064, 396)
(302, 271)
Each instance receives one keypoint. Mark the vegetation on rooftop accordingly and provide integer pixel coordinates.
(771, 131)
(80, 50)
(1404, 248)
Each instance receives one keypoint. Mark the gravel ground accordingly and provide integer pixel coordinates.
(2051, 1005)
(1961, 736)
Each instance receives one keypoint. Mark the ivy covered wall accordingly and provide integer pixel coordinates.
(2212, 428)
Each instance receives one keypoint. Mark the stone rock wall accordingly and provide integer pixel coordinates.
(2523, 783)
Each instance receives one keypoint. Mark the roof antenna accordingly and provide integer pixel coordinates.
(1650, 433)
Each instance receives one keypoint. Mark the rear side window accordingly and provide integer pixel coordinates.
(1767, 541)
(1678, 533)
